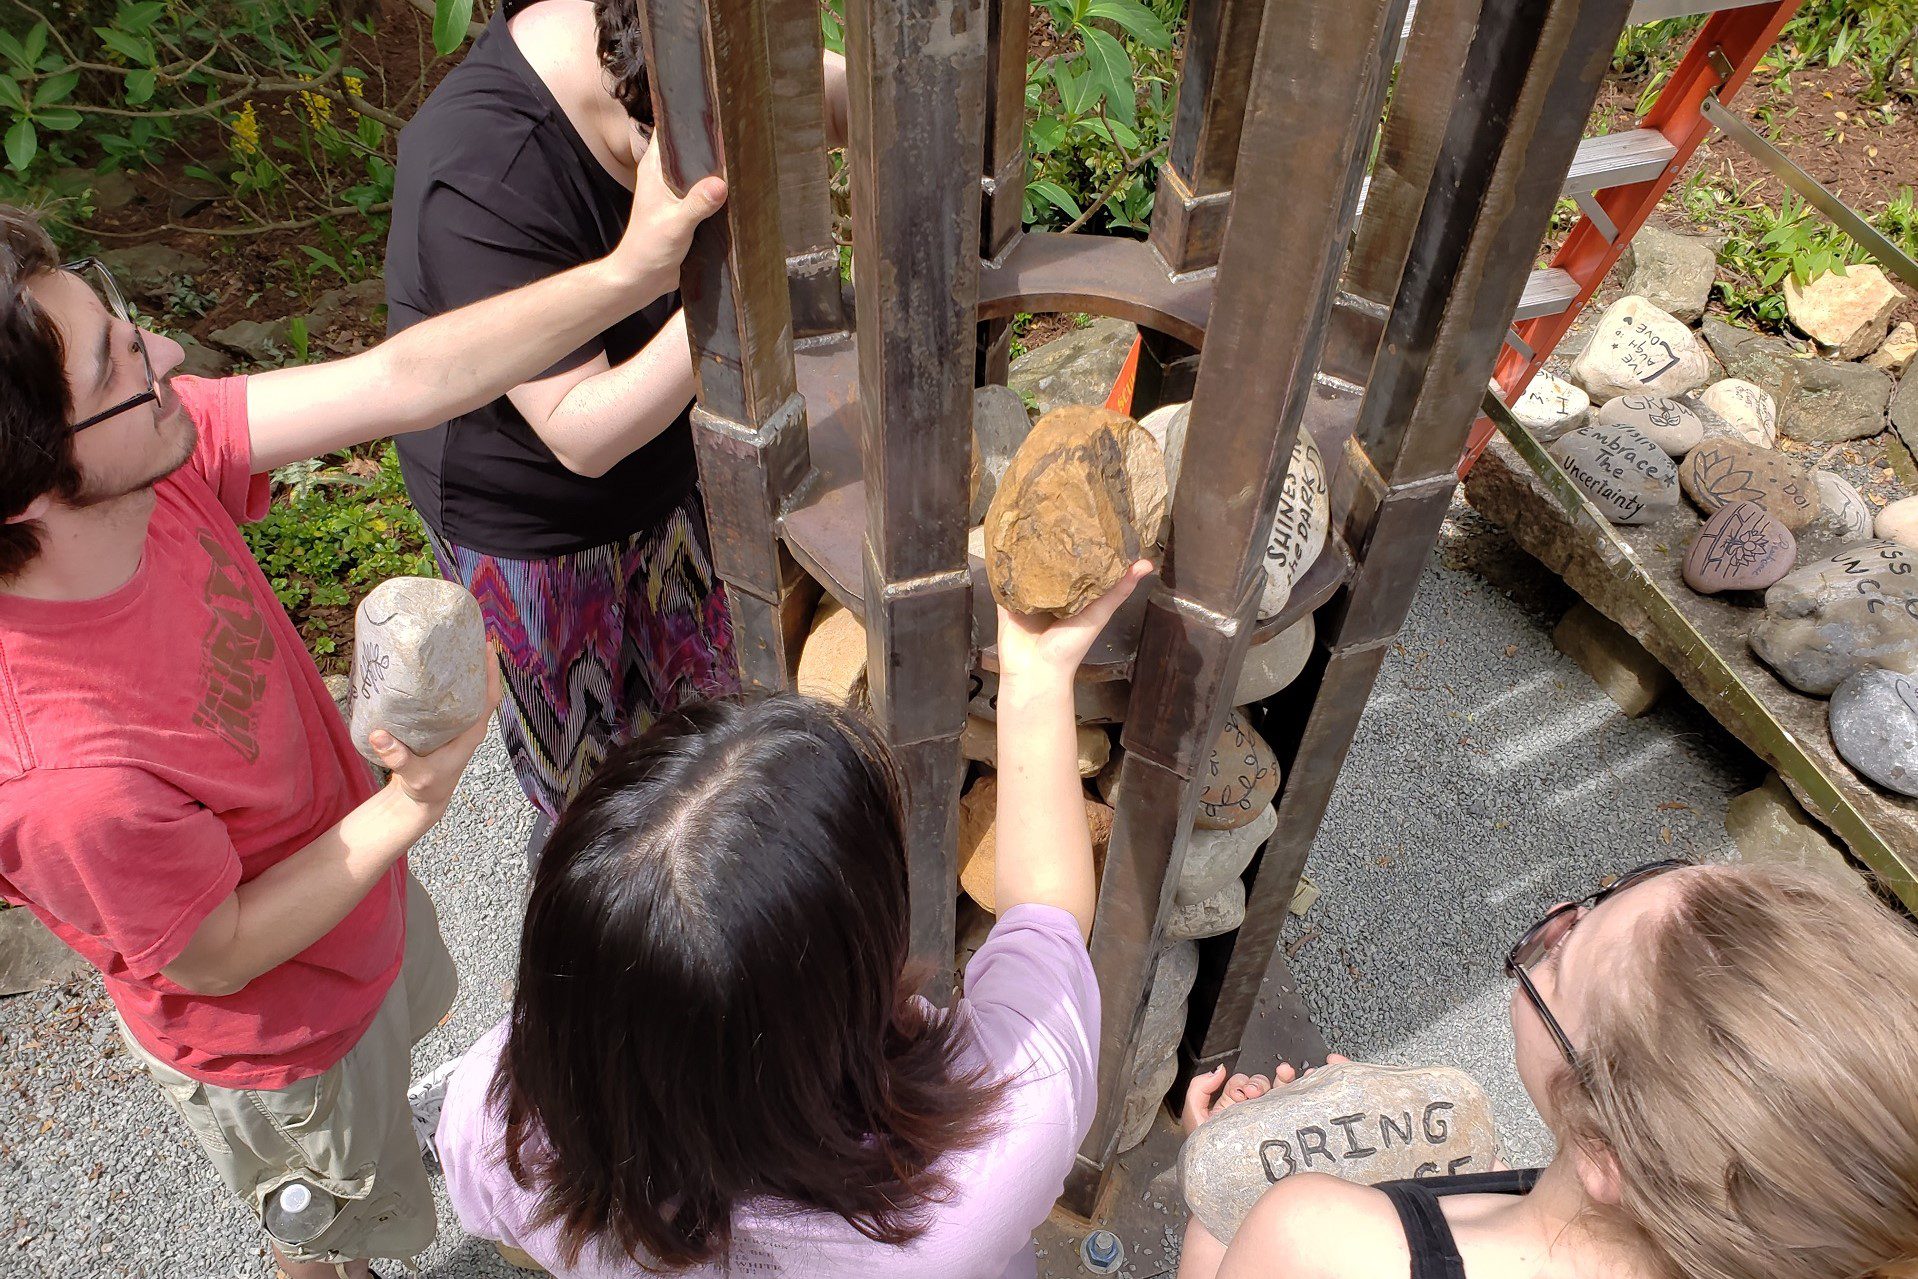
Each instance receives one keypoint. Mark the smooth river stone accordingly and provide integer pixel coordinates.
(419, 663)
(1748, 409)
(1166, 424)
(1742, 548)
(1299, 527)
(1274, 664)
(1220, 913)
(1215, 858)
(1241, 776)
(1874, 725)
(1674, 425)
(1722, 472)
(1898, 522)
(1826, 621)
(1629, 478)
(1083, 498)
(978, 840)
(1637, 349)
(1842, 513)
(1551, 406)
(1354, 1120)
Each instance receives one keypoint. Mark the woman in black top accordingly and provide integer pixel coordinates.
(568, 506)
(1726, 1055)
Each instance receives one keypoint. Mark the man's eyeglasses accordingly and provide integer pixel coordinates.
(1542, 938)
(95, 273)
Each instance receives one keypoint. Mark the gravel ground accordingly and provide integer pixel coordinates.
(1489, 778)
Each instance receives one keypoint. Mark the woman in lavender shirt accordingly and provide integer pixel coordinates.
(714, 1063)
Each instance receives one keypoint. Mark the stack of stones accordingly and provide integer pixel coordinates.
(1643, 418)
(1062, 506)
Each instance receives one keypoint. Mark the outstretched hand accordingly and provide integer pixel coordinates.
(662, 225)
(1210, 1093)
(1035, 644)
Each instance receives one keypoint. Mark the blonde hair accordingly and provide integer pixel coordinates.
(1753, 1069)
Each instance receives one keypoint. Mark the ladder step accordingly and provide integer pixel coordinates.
(1659, 10)
(1547, 292)
(1618, 159)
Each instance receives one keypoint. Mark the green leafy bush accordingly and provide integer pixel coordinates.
(332, 536)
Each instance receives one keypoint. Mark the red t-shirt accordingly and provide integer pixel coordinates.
(168, 741)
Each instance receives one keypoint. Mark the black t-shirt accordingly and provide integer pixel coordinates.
(496, 189)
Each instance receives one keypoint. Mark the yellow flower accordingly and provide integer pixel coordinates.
(355, 87)
(318, 110)
(246, 132)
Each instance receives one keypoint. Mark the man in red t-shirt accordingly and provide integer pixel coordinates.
(180, 801)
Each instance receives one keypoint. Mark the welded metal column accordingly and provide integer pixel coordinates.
(918, 74)
(712, 98)
(1320, 70)
(1004, 185)
(1195, 182)
(795, 48)
(1531, 74)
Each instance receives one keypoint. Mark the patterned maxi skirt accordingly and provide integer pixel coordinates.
(595, 645)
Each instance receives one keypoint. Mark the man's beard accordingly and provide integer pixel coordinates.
(176, 421)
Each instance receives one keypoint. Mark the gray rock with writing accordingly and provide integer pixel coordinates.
(1826, 621)
(1274, 664)
(1551, 406)
(1748, 408)
(1219, 913)
(1742, 548)
(1358, 1121)
(1164, 1021)
(1628, 478)
(1874, 725)
(1637, 349)
(1842, 513)
(1299, 527)
(1675, 425)
(1214, 858)
(419, 663)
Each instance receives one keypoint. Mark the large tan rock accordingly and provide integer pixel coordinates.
(1847, 312)
(832, 662)
(1084, 497)
(980, 743)
(978, 842)
(1895, 353)
(1354, 1120)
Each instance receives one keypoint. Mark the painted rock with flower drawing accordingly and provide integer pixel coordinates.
(1742, 548)
(1723, 472)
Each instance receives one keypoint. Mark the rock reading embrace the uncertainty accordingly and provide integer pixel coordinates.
(419, 663)
(1274, 664)
(1874, 725)
(1742, 548)
(1239, 780)
(1637, 349)
(1299, 528)
(1215, 858)
(999, 426)
(1898, 522)
(1354, 1120)
(1084, 497)
(1674, 425)
(1827, 620)
(1747, 409)
(1551, 406)
(1723, 472)
(1842, 513)
(1846, 311)
(1627, 477)
(978, 839)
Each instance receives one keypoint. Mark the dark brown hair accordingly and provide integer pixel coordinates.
(36, 446)
(712, 1004)
(624, 57)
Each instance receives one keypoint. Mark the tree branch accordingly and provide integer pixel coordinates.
(1112, 188)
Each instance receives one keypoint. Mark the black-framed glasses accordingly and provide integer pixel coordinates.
(95, 273)
(1542, 938)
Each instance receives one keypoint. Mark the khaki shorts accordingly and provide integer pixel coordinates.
(348, 1131)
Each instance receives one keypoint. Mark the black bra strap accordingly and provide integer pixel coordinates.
(1427, 1234)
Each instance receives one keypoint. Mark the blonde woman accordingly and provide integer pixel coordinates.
(1728, 1056)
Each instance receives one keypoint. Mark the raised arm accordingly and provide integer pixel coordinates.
(1044, 845)
(593, 415)
(453, 363)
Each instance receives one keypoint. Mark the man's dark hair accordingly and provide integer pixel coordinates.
(623, 56)
(713, 1005)
(36, 446)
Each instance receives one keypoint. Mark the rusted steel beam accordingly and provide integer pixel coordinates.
(1530, 76)
(1316, 86)
(917, 73)
(796, 49)
(1007, 24)
(749, 426)
(1195, 182)
(1100, 274)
